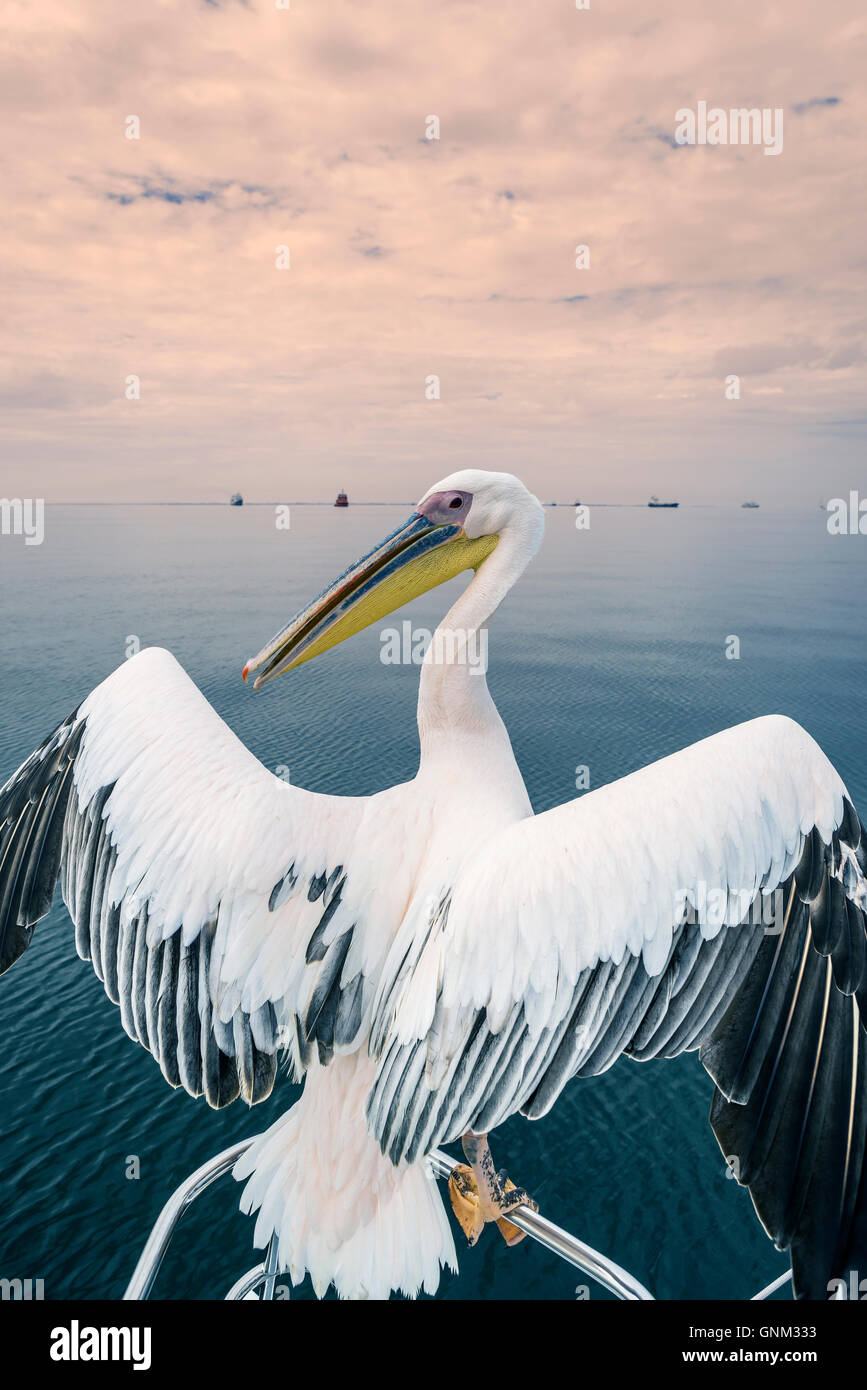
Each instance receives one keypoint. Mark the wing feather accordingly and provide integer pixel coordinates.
(714, 901)
(210, 897)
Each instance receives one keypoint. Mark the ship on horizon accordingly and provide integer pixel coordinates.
(236, 500)
(749, 504)
(342, 500)
(655, 502)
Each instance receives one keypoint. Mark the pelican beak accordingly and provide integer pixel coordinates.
(416, 557)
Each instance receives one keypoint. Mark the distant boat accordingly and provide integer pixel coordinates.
(749, 504)
(236, 500)
(342, 500)
(655, 502)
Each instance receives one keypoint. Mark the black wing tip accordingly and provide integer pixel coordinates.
(33, 806)
(790, 1062)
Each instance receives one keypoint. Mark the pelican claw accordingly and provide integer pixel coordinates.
(480, 1194)
(466, 1203)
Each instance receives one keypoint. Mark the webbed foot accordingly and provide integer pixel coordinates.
(479, 1193)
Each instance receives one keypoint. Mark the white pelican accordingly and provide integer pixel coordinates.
(434, 958)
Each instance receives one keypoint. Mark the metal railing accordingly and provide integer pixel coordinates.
(610, 1275)
(157, 1243)
(597, 1266)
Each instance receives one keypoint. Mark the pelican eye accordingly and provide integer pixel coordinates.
(456, 502)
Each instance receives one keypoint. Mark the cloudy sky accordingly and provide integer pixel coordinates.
(262, 127)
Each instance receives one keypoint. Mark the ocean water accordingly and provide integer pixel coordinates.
(610, 653)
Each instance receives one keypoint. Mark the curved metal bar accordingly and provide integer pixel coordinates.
(610, 1275)
(246, 1284)
(772, 1288)
(264, 1274)
(606, 1272)
(157, 1242)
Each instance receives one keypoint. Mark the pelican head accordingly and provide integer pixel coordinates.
(455, 527)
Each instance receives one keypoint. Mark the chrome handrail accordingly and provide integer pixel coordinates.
(157, 1242)
(772, 1288)
(610, 1275)
(265, 1273)
(599, 1267)
(247, 1284)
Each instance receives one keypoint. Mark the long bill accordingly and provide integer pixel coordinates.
(414, 558)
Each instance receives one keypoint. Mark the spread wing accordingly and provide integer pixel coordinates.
(713, 900)
(216, 902)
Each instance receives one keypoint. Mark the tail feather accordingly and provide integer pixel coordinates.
(341, 1210)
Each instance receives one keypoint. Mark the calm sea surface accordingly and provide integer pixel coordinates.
(610, 653)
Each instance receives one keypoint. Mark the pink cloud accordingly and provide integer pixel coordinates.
(263, 127)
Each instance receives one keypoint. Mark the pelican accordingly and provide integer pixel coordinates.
(435, 958)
